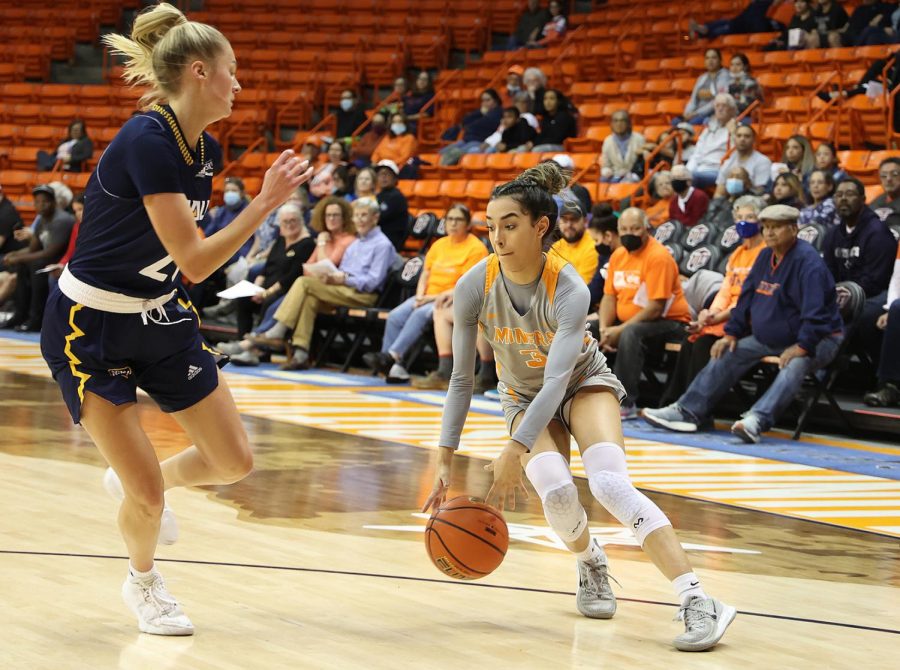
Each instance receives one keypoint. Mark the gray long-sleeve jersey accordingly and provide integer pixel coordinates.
(537, 333)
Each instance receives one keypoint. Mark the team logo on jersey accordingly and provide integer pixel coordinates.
(198, 208)
(193, 371)
(206, 170)
(120, 372)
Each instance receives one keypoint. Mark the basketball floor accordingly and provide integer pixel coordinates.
(317, 559)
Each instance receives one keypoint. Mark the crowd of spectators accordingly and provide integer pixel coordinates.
(799, 226)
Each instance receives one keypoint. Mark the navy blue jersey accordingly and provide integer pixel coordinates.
(117, 248)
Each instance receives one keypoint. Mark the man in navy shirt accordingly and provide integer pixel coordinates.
(788, 309)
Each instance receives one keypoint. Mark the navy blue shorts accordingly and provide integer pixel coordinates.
(111, 355)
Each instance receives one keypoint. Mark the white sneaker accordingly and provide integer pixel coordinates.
(705, 622)
(157, 611)
(168, 525)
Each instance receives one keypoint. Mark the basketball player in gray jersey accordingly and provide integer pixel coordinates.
(554, 384)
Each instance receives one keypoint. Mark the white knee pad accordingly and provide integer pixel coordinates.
(604, 464)
(550, 475)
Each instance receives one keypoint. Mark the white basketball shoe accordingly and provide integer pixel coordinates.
(157, 612)
(168, 525)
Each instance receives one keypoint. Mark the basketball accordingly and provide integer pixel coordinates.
(466, 539)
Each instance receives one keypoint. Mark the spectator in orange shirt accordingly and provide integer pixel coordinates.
(643, 304)
(399, 145)
(710, 323)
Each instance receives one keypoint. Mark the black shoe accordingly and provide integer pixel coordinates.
(12, 322)
(379, 361)
(887, 396)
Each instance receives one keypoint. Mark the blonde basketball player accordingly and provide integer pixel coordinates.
(554, 382)
(120, 319)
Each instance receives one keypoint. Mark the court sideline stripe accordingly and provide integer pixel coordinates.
(351, 573)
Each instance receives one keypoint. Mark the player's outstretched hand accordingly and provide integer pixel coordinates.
(286, 174)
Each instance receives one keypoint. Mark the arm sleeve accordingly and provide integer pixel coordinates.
(571, 307)
(816, 311)
(468, 297)
(376, 272)
(152, 163)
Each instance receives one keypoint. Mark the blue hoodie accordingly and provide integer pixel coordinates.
(791, 303)
(865, 255)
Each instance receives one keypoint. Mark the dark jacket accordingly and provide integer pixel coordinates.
(394, 217)
(792, 303)
(865, 255)
(477, 127)
(557, 128)
(520, 133)
(347, 122)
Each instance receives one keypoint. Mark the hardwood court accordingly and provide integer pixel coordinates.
(294, 567)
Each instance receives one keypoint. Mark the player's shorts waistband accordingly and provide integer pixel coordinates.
(107, 301)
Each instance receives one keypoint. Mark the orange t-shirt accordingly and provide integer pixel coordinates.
(396, 148)
(649, 274)
(735, 273)
(447, 261)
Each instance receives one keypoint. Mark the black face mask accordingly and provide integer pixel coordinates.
(631, 242)
(603, 249)
(679, 185)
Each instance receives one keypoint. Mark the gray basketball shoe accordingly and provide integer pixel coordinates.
(595, 598)
(705, 621)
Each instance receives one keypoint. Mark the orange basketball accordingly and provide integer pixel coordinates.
(466, 539)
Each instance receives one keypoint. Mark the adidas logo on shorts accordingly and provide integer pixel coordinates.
(193, 371)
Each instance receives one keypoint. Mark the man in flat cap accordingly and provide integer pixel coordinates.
(788, 309)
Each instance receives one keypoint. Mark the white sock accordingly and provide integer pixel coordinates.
(137, 575)
(593, 553)
(687, 586)
(277, 331)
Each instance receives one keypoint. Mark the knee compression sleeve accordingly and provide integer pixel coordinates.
(549, 474)
(604, 464)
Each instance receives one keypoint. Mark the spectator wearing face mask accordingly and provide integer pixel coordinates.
(399, 145)
(350, 116)
(643, 303)
(745, 155)
(737, 185)
(709, 325)
(688, 204)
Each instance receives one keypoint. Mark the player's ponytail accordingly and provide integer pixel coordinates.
(162, 42)
(534, 190)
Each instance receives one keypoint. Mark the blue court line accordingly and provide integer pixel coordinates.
(824, 456)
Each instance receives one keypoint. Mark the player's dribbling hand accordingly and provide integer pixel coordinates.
(286, 174)
(441, 480)
(507, 469)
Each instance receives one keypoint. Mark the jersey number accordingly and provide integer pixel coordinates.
(153, 270)
(537, 360)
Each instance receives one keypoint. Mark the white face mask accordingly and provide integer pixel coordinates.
(346, 104)
(398, 128)
(231, 198)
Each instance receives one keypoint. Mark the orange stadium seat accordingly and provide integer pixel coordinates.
(41, 137)
(500, 166)
(18, 93)
(452, 190)
(472, 166)
(19, 158)
(426, 193)
(18, 183)
(478, 192)
(591, 141)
